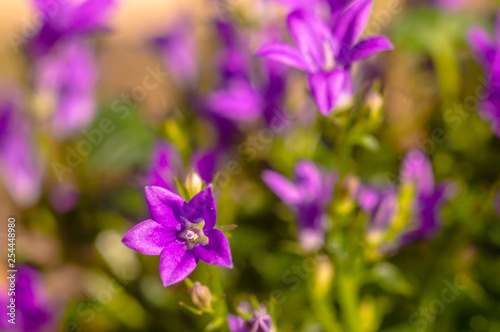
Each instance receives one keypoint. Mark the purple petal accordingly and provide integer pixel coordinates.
(368, 198)
(416, 166)
(369, 47)
(312, 36)
(284, 53)
(239, 102)
(236, 323)
(202, 206)
(149, 237)
(309, 180)
(482, 45)
(326, 89)
(282, 187)
(351, 23)
(176, 263)
(217, 251)
(91, 15)
(165, 206)
(165, 165)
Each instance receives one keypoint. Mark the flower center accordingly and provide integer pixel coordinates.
(192, 233)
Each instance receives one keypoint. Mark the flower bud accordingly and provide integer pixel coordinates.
(201, 296)
(193, 183)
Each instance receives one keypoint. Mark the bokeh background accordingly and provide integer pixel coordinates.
(71, 232)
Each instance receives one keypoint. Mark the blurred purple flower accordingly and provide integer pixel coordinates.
(34, 311)
(181, 232)
(166, 165)
(326, 54)
(242, 96)
(496, 203)
(65, 81)
(64, 197)
(63, 19)
(382, 204)
(308, 196)
(179, 52)
(486, 49)
(259, 321)
(20, 170)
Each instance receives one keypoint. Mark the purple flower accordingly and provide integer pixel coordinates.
(166, 165)
(34, 310)
(64, 197)
(326, 54)
(181, 232)
(179, 52)
(243, 96)
(486, 49)
(20, 170)
(256, 321)
(65, 81)
(308, 196)
(496, 203)
(65, 19)
(382, 204)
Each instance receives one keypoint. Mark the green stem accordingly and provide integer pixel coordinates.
(348, 294)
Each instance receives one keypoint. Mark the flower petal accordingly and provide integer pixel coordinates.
(309, 180)
(312, 36)
(416, 166)
(326, 89)
(283, 53)
(217, 251)
(149, 237)
(176, 263)
(285, 189)
(202, 206)
(236, 323)
(482, 45)
(165, 206)
(369, 47)
(238, 102)
(351, 23)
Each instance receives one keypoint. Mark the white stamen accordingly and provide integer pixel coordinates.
(190, 235)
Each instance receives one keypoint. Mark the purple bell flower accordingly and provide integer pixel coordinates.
(34, 310)
(66, 19)
(65, 81)
(20, 170)
(382, 204)
(258, 320)
(308, 195)
(179, 52)
(180, 232)
(326, 53)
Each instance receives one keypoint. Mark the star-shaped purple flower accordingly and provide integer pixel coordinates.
(180, 232)
(327, 53)
(308, 196)
(487, 51)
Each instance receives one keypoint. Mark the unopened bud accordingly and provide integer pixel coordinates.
(374, 102)
(193, 183)
(201, 296)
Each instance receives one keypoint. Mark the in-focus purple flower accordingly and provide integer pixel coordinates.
(20, 169)
(65, 19)
(382, 204)
(486, 49)
(326, 53)
(308, 195)
(179, 52)
(34, 311)
(65, 83)
(256, 321)
(180, 232)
